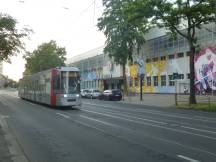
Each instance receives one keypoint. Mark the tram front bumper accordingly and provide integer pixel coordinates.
(69, 100)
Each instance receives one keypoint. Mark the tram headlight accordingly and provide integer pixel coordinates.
(65, 95)
(77, 95)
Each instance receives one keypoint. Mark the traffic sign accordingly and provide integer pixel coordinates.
(140, 68)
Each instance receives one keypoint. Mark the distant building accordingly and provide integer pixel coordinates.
(97, 70)
(165, 60)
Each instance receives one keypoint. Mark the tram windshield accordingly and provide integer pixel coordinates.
(70, 82)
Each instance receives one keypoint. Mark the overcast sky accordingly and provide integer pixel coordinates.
(71, 23)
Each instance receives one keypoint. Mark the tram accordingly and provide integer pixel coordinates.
(58, 86)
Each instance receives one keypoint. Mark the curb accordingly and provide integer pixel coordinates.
(16, 152)
(142, 103)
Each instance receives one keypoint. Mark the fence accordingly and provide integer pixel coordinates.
(185, 99)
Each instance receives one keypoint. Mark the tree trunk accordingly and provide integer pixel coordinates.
(192, 74)
(124, 79)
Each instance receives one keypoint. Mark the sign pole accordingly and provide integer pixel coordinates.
(140, 73)
(141, 89)
(141, 86)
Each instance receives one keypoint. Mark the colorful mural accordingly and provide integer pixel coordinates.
(161, 67)
(205, 69)
(155, 69)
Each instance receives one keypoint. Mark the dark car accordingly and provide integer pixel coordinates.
(111, 94)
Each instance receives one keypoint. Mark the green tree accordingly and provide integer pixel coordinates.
(175, 15)
(11, 83)
(121, 36)
(47, 55)
(10, 37)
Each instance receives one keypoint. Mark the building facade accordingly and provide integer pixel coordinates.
(98, 71)
(166, 64)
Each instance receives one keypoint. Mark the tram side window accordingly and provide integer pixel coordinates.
(57, 84)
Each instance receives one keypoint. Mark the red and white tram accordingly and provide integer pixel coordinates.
(55, 87)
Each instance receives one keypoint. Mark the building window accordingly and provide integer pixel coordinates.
(148, 81)
(180, 76)
(163, 58)
(171, 80)
(181, 54)
(208, 35)
(214, 36)
(171, 57)
(163, 80)
(175, 43)
(155, 80)
(148, 60)
(155, 59)
(188, 53)
(136, 82)
(170, 43)
(188, 75)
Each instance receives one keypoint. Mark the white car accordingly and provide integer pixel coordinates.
(93, 93)
(84, 93)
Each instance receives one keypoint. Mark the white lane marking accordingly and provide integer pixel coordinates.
(160, 113)
(131, 141)
(149, 120)
(184, 146)
(87, 125)
(5, 116)
(31, 103)
(187, 158)
(103, 122)
(181, 123)
(63, 115)
(201, 130)
(203, 117)
(160, 139)
(174, 125)
(134, 117)
(159, 126)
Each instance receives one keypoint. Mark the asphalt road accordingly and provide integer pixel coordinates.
(109, 131)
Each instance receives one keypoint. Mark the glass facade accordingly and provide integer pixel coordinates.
(166, 45)
(163, 56)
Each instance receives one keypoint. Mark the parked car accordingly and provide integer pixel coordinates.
(93, 93)
(84, 93)
(112, 94)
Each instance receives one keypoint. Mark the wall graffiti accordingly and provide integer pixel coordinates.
(205, 69)
(158, 68)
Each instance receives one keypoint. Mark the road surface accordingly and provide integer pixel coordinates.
(109, 131)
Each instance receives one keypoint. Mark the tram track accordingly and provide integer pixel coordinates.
(157, 136)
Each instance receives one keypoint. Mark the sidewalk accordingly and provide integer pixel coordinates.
(5, 155)
(159, 100)
(10, 150)
(165, 100)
